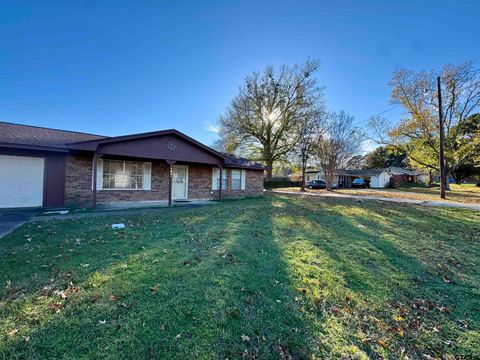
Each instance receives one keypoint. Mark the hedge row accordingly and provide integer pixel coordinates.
(280, 184)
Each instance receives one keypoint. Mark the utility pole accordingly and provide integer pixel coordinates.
(443, 175)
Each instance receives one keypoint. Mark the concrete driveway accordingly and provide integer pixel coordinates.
(10, 219)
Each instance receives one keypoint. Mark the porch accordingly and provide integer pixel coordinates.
(166, 167)
(124, 205)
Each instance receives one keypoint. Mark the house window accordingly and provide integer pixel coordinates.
(122, 175)
(236, 179)
(216, 179)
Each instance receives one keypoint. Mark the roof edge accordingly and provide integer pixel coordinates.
(33, 147)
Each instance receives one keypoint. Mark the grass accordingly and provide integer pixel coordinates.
(465, 193)
(275, 277)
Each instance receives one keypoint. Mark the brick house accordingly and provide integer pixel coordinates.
(56, 168)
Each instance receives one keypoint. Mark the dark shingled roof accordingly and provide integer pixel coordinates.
(360, 172)
(36, 136)
(231, 160)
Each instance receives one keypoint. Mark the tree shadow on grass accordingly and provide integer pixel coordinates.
(262, 278)
(400, 255)
(216, 288)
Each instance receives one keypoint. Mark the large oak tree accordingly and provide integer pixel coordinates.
(264, 117)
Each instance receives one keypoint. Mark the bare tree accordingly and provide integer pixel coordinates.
(336, 144)
(266, 113)
(308, 132)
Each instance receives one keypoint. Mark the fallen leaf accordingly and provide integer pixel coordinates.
(155, 288)
(61, 294)
(245, 338)
(398, 318)
(113, 297)
(56, 306)
(445, 309)
(13, 332)
(382, 343)
(334, 309)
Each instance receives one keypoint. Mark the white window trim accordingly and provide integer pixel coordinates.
(146, 178)
(216, 176)
(242, 180)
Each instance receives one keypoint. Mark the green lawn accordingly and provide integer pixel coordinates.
(276, 277)
(465, 193)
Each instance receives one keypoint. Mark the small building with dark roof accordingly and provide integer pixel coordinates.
(60, 168)
(376, 178)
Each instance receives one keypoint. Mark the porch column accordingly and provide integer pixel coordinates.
(220, 185)
(94, 185)
(170, 176)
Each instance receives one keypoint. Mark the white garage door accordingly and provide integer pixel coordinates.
(21, 181)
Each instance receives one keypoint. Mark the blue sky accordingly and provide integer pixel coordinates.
(117, 67)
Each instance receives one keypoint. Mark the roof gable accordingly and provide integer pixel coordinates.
(165, 144)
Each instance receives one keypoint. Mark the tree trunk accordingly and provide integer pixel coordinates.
(447, 183)
(269, 164)
(329, 179)
(304, 170)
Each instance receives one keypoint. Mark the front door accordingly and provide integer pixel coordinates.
(180, 182)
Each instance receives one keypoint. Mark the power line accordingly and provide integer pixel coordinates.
(380, 113)
(395, 106)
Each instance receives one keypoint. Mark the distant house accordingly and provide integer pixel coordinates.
(376, 178)
(50, 167)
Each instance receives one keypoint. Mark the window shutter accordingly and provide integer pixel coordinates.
(147, 176)
(99, 174)
(215, 176)
(244, 173)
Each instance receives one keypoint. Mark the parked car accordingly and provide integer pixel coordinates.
(316, 184)
(359, 183)
(319, 184)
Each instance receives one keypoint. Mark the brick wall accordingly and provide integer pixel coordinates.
(78, 184)
(78, 181)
